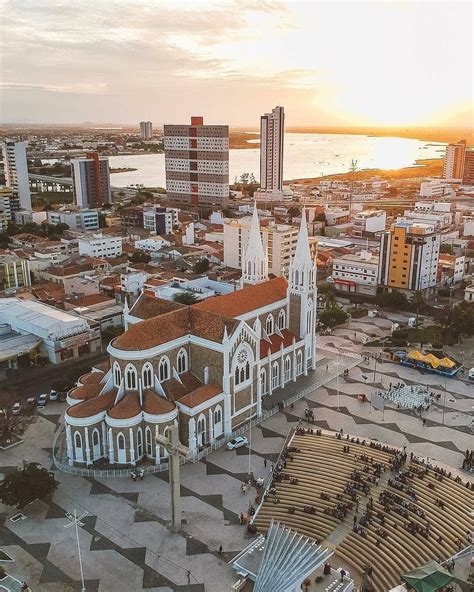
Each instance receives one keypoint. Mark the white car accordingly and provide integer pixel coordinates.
(16, 409)
(237, 443)
(53, 395)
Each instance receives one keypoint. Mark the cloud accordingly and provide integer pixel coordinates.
(119, 60)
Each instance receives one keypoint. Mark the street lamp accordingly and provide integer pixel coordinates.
(337, 378)
(75, 521)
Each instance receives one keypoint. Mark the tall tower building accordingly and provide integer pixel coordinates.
(272, 129)
(197, 162)
(146, 130)
(16, 170)
(453, 169)
(91, 180)
(409, 254)
(254, 258)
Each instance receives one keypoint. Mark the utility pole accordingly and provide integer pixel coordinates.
(353, 169)
(75, 521)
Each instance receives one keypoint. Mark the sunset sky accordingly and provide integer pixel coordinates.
(328, 63)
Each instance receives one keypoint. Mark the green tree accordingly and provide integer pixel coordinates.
(186, 297)
(26, 485)
(332, 316)
(139, 257)
(446, 248)
(9, 425)
(201, 266)
(393, 299)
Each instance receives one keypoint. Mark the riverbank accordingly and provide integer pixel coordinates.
(424, 168)
(241, 136)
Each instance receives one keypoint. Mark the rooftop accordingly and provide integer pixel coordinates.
(246, 300)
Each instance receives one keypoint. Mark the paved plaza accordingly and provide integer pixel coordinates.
(125, 543)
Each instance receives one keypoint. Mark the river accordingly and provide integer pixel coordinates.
(306, 155)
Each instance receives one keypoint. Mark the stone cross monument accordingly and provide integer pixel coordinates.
(176, 450)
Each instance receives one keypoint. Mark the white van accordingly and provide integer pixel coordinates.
(471, 374)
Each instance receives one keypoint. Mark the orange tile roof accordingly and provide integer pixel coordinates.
(87, 391)
(174, 389)
(156, 405)
(249, 298)
(102, 366)
(93, 406)
(91, 378)
(275, 342)
(172, 325)
(203, 393)
(147, 307)
(128, 406)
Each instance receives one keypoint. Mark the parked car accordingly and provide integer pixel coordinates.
(42, 400)
(53, 395)
(30, 403)
(16, 409)
(237, 442)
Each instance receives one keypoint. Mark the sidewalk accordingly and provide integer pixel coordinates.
(326, 370)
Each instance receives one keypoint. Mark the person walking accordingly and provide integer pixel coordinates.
(220, 549)
(133, 475)
(265, 462)
(141, 472)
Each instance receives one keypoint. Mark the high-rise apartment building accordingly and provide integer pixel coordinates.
(279, 242)
(197, 162)
(453, 168)
(91, 180)
(16, 170)
(409, 254)
(9, 202)
(146, 130)
(272, 129)
(468, 173)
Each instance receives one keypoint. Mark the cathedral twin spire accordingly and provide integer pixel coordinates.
(255, 258)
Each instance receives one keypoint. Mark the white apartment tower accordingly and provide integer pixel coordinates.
(272, 127)
(197, 162)
(146, 130)
(16, 170)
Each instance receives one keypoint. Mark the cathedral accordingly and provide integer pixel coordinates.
(205, 367)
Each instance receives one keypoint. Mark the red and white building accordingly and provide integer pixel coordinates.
(197, 162)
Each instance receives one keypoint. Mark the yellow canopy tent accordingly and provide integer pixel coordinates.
(416, 355)
(447, 363)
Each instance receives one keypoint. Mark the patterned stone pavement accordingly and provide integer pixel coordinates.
(124, 541)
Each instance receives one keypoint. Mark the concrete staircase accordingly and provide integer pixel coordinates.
(336, 537)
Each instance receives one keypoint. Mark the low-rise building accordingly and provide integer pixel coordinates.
(75, 219)
(152, 244)
(100, 245)
(440, 220)
(451, 268)
(468, 225)
(14, 271)
(433, 188)
(469, 293)
(336, 216)
(356, 273)
(369, 222)
(160, 220)
(9, 202)
(59, 335)
(23, 217)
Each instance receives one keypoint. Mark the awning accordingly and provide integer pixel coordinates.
(428, 578)
(17, 345)
(447, 363)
